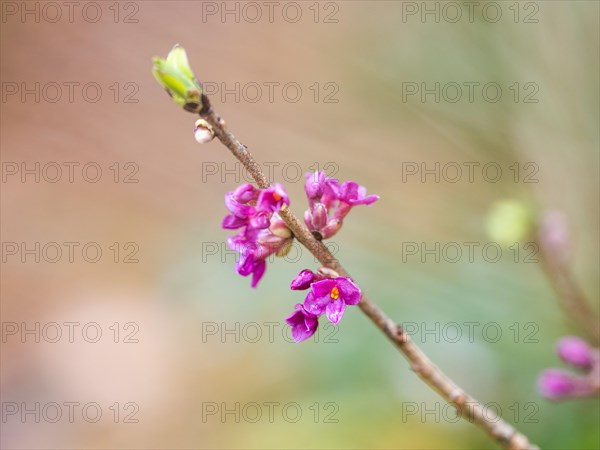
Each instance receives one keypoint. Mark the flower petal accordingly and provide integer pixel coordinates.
(332, 188)
(349, 191)
(323, 288)
(367, 200)
(349, 291)
(260, 220)
(259, 271)
(246, 264)
(335, 310)
(231, 222)
(354, 194)
(295, 318)
(237, 208)
(302, 281)
(303, 325)
(312, 306)
(245, 193)
(272, 198)
(314, 184)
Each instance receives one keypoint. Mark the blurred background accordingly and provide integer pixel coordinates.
(124, 324)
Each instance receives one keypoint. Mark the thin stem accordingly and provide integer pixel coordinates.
(572, 298)
(468, 407)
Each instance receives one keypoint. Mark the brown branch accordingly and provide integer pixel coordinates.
(570, 295)
(468, 407)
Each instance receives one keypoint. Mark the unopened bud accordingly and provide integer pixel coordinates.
(175, 75)
(203, 132)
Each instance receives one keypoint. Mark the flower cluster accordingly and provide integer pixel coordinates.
(328, 296)
(263, 232)
(330, 201)
(557, 384)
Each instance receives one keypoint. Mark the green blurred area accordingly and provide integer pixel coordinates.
(370, 135)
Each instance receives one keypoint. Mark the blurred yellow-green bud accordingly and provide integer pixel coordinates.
(509, 221)
(176, 76)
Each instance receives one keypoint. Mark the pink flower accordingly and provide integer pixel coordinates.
(262, 233)
(330, 202)
(331, 296)
(303, 280)
(575, 351)
(273, 198)
(327, 296)
(557, 384)
(303, 323)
